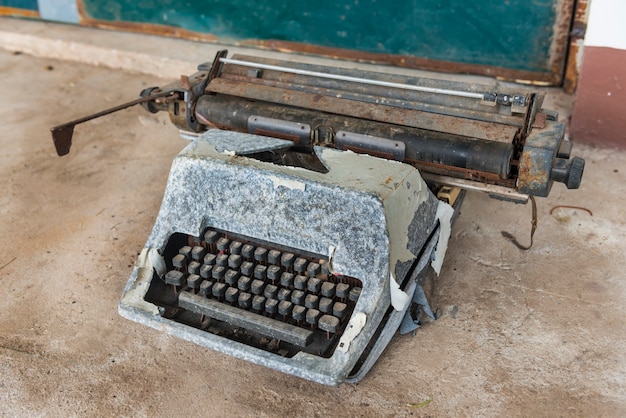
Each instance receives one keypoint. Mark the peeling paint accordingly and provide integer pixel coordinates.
(288, 183)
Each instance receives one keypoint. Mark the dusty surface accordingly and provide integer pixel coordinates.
(532, 333)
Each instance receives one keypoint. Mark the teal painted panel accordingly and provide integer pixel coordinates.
(19, 4)
(513, 34)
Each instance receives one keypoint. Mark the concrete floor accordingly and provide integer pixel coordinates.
(535, 333)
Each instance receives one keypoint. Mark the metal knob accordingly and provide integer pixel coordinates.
(569, 172)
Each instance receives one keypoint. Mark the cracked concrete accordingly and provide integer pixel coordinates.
(521, 333)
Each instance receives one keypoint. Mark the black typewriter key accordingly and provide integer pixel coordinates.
(231, 294)
(218, 272)
(340, 309)
(343, 290)
(247, 251)
(222, 260)
(231, 277)
(185, 252)
(205, 288)
(219, 289)
(311, 301)
(314, 285)
(298, 313)
(223, 244)
(354, 294)
(300, 265)
(300, 282)
(247, 268)
(206, 271)
(328, 289)
(209, 259)
(197, 253)
(287, 260)
(245, 300)
(284, 294)
(258, 303)
(260, 272)
(297, 297)
(271, 306)
(312, 315)
(244, 283)
(211, 237)
(179, 261)
(313, 269)
(193, 281)
(286, 280)
(273, 257)
(273, 273)
(260, 254)
(194, 267)
(271, 291)
(328, 323)
(235, 247)
(257, 286)
(174, 277)
(285, 307)
(234, 261)
(326, 305)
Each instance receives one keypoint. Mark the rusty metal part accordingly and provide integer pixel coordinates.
(513, 143)
(500, 192)
(500, 127)
(576, 45)
(387, 114)
(539, 165)
(540, 121)
(370, 92)
(360, 80)
(570, 207)
(533, 228)
(62, 134)
(461, 156)
(560, 39)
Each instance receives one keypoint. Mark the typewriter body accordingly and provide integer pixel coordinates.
(298, 224)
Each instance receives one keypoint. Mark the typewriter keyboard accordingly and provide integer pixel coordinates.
(254, 292)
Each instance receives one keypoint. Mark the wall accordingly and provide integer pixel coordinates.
(599, 115)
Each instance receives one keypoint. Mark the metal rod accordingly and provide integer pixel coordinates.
(504, 192)
(423, 89)
(62, 134)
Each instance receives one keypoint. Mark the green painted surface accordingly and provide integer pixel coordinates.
(20, 4)
(514, 34)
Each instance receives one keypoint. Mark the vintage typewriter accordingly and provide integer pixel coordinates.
(297, 226)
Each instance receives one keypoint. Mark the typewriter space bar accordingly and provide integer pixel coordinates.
(244, 319)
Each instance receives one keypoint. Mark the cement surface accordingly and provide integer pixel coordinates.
(535, 333)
